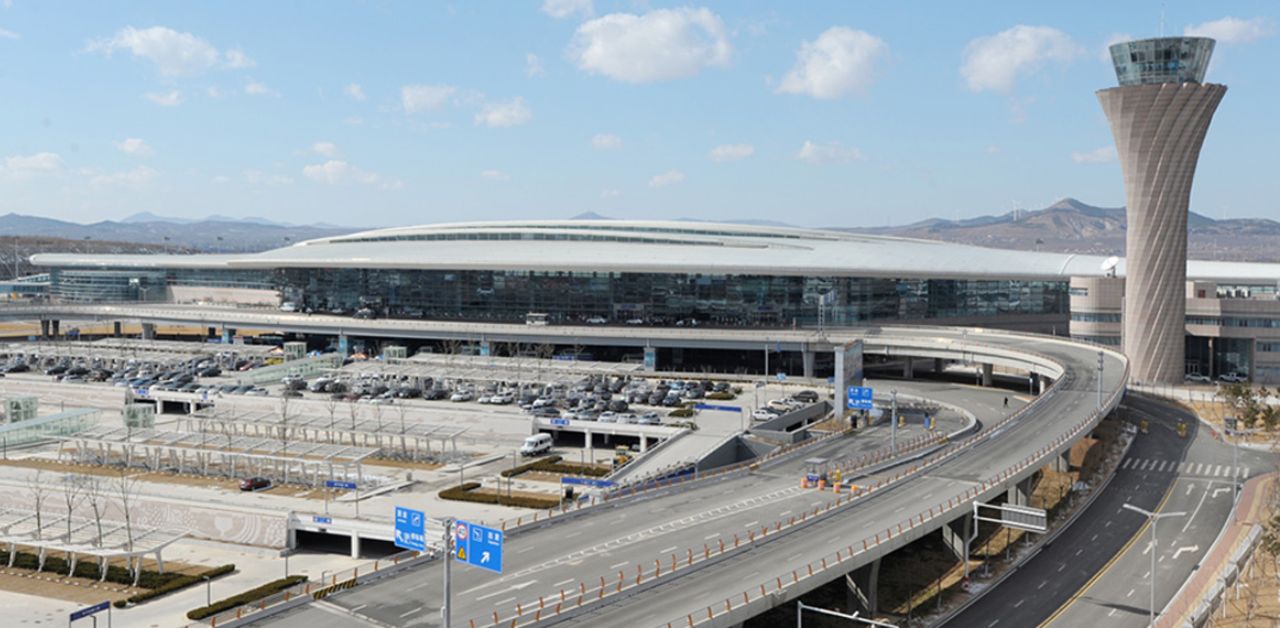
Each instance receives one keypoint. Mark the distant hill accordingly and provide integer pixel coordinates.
(16, 251)
(224, 234)
(1071, 226)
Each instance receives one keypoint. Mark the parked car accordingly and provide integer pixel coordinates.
(462, 395)
(1233, 378)
(1198, 378)
(255, 484)
(807, 396)
(597, 320)
(763, 414)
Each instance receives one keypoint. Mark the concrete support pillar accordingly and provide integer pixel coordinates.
(862, 584)
(589, 443)
(1044, 384)
(292, 540)
(355, 545)
(53, 325)
(44, 330)
(986, 374)
(955, 532)
(808, 356)
(115, 329)
(148, 331)
(908, 368)
(938, 365)
(1062, 463)
(1020, 493)
(644, 443)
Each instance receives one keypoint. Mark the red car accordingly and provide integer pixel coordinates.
(255, 484)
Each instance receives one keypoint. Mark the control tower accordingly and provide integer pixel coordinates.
(1159, 116)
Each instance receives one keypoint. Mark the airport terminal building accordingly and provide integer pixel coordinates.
(688, 273)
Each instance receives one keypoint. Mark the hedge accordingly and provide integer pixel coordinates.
(88, 569)
(528, 466)
(252, 595)
(466, 493)
(181, 582)
(682, 413)
(721, 396)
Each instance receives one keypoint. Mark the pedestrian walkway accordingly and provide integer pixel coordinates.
(1191, 469)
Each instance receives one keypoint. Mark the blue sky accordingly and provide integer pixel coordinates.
(813, 113)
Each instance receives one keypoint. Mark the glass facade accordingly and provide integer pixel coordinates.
(730, 300)
(1162, 60)
(574, 297)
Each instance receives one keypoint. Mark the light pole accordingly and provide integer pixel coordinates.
(1099, 380)
(893, 423)
(801, 607)
(446, 609)
(1153, 517)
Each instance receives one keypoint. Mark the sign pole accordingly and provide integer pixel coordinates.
(446, 609)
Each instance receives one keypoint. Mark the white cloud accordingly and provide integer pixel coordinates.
(992, 149)
(418, 98)
(221, 179)
(256, 88)
(659, 45)
(336, 172)
(610, 193)
(840, 62)
(171, 99)
(1232, 30)
(213, 91)
(8, 34)
(731, 152)
(504, 114)
(354, 91)
(994, 62)
(495, 175)
(564, 8)
(1098, 156)
(606, 141)
(533, 65)
(137, 177)
(831, 152)
(172, 52)
(134, 146)
(327, 149)
(258, 177)
(670, 177)
(23, 167)
(237, 59)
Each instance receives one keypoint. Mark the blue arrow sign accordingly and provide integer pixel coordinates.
(322, 520)
(478, 546)
(859, 398)
(350, 486)
(410, 529)
(708, 406)
(592, 482)
(90, 610)
(560, 422)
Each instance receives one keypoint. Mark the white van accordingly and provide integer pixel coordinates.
(535, 445)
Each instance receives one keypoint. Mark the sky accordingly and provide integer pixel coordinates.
(387, 113)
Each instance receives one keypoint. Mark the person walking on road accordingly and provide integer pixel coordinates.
(1006, 402)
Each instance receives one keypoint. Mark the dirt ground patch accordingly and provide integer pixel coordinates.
(403, 464)
(515, 493)
(80, 590)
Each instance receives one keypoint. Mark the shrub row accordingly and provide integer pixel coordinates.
(528, 466)
(175, 584)
(252, 595)
(721, 396)
(89, 569)
(682, 413)
(465, 493)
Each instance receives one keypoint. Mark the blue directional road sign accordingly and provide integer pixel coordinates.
(478, 546)
(322, 520)
(859, 398)
(592, 482)
(90, 610)
(708, 406)
(350, 486)
(560, 422)
(410, 529)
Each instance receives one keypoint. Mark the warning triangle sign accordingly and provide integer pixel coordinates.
(462, 553)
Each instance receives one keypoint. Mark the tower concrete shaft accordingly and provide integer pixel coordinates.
(1158, 129)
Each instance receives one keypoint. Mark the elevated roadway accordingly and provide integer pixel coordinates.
(791, 540)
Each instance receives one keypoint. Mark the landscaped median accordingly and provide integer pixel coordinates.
(250, 596)
(168, 583)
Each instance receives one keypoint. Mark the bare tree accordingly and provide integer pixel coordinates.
(127, 489)
(38, 491)
(355, 412)
(284, 424)
(332, 407)
(377, 416)
(96, 496)
(72, 495)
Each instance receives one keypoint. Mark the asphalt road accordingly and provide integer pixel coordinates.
(1105, 555)
(541, 562)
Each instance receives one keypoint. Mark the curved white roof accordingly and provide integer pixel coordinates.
(659, 247)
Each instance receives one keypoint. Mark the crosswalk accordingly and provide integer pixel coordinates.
(1201, 469)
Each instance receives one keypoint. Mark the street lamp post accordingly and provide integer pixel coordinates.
(1099, 380)
(1153, 518)
(893, 422)
(801, 607)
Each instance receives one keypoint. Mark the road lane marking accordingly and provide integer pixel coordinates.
(1197, 508)
(621, 564)
(710, 536)
(993, 623)
(411, 612)
(1190, 487)
(668, 550)
(1019, 603)
(1042, 585)
(1146, 549)
(1225, 489)
(563, 582)
(1130, 593)
(1079, 551)
(1061, 567)
(753, 523)
(1187, 548)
